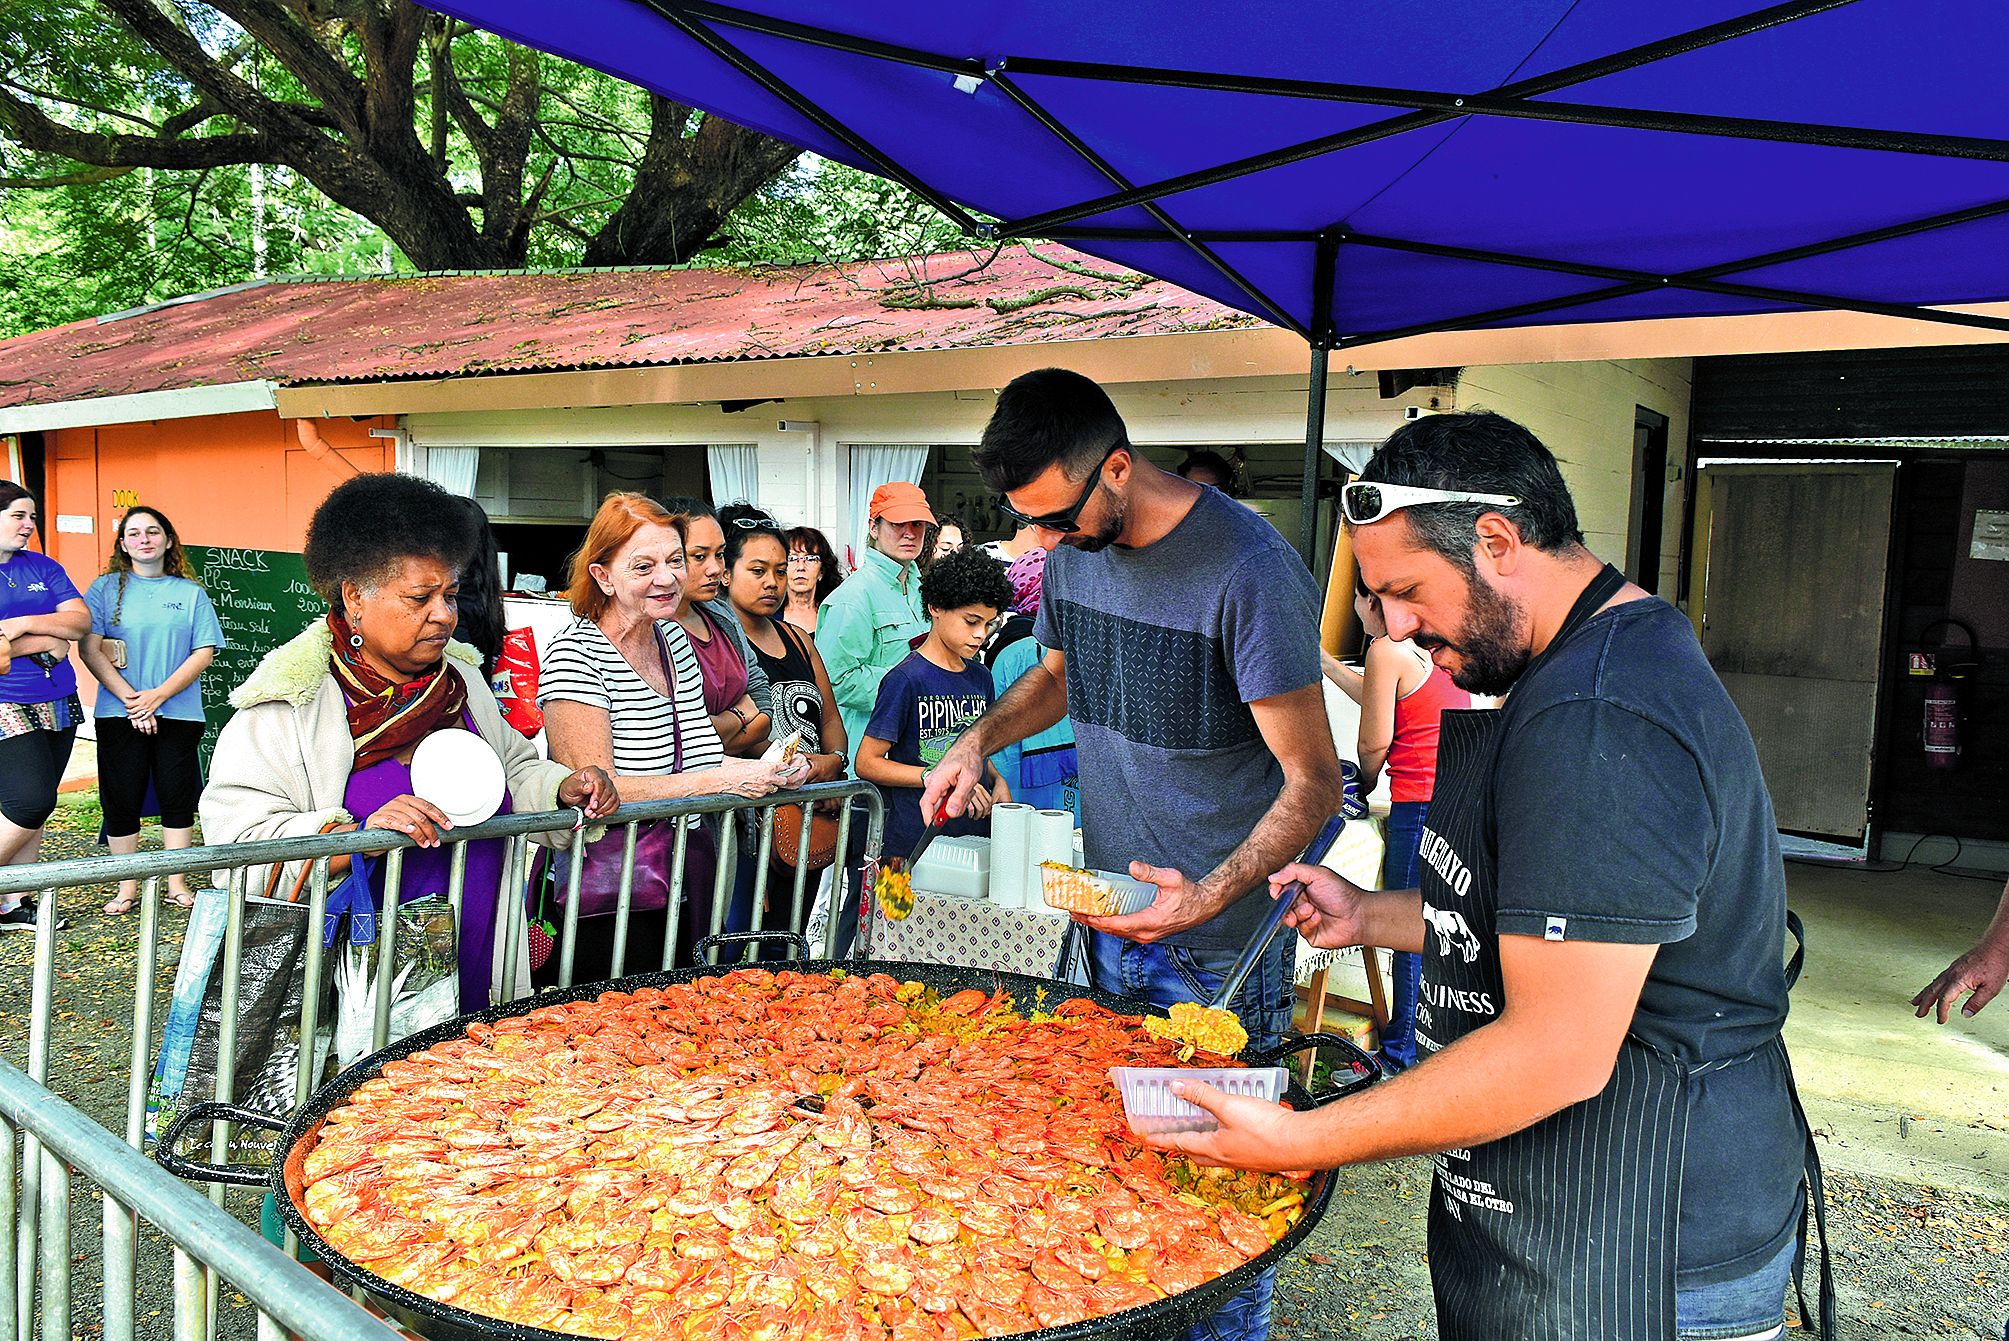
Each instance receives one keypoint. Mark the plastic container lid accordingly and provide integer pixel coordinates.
(957, 868)
(1102, 893)
(1152, 1109)
(458, 772)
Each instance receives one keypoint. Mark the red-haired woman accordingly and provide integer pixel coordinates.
(621, 689)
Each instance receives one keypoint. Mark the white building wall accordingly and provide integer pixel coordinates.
(803, 475)
(1584, 412)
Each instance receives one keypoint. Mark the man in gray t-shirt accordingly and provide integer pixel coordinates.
(1186, 652)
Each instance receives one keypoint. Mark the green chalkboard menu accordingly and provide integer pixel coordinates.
(262, 600)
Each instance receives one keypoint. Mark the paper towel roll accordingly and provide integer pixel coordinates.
(1011, 842)
(1052, 840)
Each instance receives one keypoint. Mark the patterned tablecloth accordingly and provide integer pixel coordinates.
(981, 934)
(971, 932)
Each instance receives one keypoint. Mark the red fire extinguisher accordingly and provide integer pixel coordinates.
(1942, 697)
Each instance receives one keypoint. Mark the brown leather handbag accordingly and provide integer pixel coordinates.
(788, 838)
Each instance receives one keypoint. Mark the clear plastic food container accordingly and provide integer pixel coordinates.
(1152, 1108)
(1102, 893)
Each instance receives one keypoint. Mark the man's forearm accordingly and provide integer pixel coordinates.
(1487, 1085)
(1034, 702)
(1394, 919)
(1292, 821)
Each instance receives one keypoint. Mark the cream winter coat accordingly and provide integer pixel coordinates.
(283, 761)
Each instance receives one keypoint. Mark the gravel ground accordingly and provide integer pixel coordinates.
(1912, 1261)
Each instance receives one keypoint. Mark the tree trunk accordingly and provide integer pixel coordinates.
(686, 186)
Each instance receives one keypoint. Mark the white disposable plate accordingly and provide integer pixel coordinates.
(1152, 1108)
(459, 773)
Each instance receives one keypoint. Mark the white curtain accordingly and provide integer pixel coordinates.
(735, 473)
(1353, 455)
(453, 468)
(872, 466)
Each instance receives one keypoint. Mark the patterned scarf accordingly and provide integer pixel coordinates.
(386, 717)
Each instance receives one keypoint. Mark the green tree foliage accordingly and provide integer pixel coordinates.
(148, 147)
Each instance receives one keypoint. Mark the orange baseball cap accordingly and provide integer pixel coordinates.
(900, 502)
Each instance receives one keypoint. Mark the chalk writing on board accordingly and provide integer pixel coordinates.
(262, 600)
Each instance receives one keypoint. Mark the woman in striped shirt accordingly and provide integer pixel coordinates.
(621, 688)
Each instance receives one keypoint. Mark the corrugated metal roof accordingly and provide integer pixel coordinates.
(307, 330)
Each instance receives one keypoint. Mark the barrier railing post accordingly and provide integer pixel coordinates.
(41, 1010)
(674, 916)
(624, 903)
(568, 937)
(722, 879)
(840, 885)
(55, 1246)
(9, 1149)
(121, 1226)
(510, 915)
(387, 946)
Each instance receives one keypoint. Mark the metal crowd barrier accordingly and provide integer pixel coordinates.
(287, 1298)
(35, 1222)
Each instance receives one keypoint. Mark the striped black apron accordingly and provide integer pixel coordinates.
(1567, 1229)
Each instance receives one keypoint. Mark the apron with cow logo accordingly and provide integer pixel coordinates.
(1566, 1229)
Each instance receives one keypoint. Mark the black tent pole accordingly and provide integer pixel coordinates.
(1323, 276)
(1314, 448)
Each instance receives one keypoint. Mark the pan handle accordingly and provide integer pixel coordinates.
(794, 938)
(234, 1175)
(1365, 1070)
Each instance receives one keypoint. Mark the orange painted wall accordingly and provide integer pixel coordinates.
(230, 479)
(241, 480)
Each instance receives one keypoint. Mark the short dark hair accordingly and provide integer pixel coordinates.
(1213, 461)
(967, 577)
(1043, 417)
(1477, 452)
(831, 575)
(12, 493)
(367, 528)
(690, 508)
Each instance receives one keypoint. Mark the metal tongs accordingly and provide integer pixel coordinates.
(1273, 921)
(896, 904)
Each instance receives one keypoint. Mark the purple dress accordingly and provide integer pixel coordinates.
(427, 871)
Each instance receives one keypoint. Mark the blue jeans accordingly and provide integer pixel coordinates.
(1164, 974)
(1403, 835)
(1750, 1306)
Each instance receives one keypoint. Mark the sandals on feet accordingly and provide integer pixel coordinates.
(122, 905)
(183, 900)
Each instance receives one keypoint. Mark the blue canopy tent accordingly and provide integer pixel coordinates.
(1363, 172)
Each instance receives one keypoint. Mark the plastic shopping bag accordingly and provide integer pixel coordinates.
(515, 682)
(425, 980)
(271, 990)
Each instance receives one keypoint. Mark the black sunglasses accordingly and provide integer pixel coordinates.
(1066, 522)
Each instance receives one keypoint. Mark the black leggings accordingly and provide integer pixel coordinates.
(30, 768)
(127, 759)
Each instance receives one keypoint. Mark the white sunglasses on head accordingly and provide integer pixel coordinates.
(1364, 502)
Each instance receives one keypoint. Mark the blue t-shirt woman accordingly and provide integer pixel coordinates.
(153, 633)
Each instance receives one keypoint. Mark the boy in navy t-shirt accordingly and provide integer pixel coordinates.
(928, 700)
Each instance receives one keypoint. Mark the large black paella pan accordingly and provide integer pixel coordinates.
(438, 1321)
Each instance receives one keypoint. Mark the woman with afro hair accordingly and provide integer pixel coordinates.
(325, 727)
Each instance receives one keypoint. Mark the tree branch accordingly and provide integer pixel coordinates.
(27, 124)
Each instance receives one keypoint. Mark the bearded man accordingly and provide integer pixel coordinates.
(1619, 1150)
